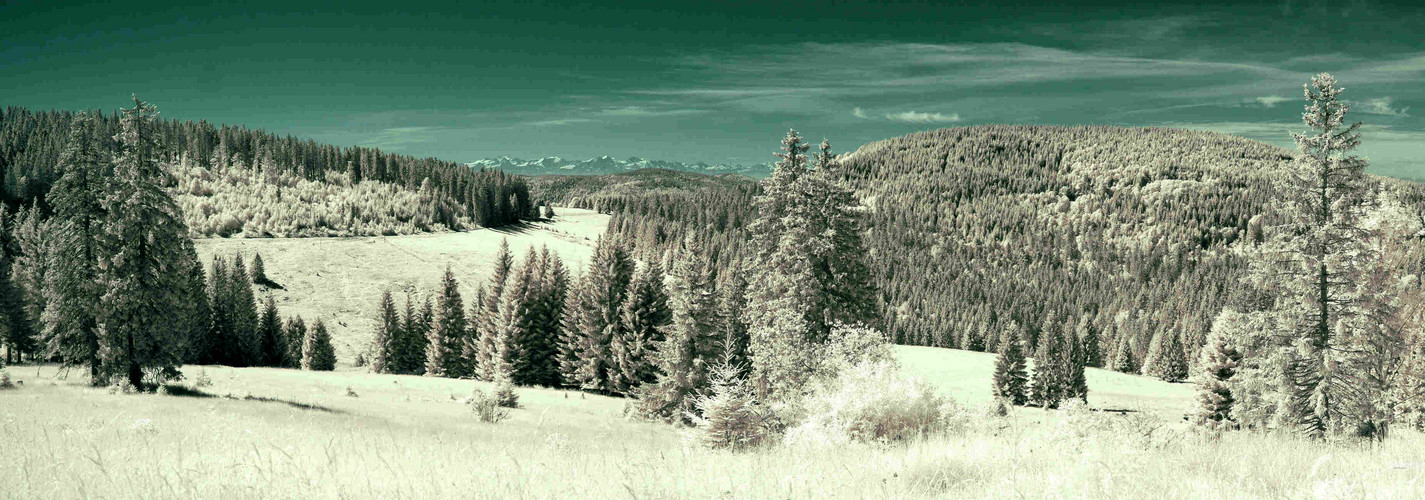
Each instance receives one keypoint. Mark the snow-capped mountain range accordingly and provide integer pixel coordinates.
(555, 165)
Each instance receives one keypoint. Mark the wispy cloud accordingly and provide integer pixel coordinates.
(1381, 106)
(1271, 101)
(643, 111)
(921, 117)
(559, 121)
(395, 138)
(859, 113)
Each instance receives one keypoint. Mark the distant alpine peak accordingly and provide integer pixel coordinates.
(605, 164)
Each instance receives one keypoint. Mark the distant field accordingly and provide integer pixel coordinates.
(274, 433)
(341, 279)
(965, 376)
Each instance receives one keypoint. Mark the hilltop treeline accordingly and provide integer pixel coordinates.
(1133, 235)
(234, 180)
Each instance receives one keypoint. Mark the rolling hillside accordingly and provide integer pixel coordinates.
(341, 279)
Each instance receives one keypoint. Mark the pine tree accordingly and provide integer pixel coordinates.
(1074, 383)
(1171, 363)
(502, 338)
(448, 333)
(594, 317)
(1050, 369)
(274, 348)
(485, 309)
(28, 269)
(70, 320)
(539, 364)
(197, 313)
(1011, 376)
(809, 269)
(145, 244)
(386, 343)
(14, 326)
(222, 343)
(692, 342)
(728, 416)
(1219, 362)
(1123, 355)
(244, 314)
(296, 336)
(317, 351)
(259, 271)
(643, 316)
(1093, 350)
(732, 301)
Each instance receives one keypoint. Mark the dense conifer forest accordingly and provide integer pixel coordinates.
(1134, 236)
(235, 180)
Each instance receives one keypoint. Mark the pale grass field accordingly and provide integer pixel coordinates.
(341, 279)
(302, 436)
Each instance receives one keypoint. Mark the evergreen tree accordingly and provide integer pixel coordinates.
(14, 327)
(197, 313)
(502, 338)
(539, 364)
(1093, 350)
(692, 341)
(448, 334)
(222, 343)
(244, 314)
(643, 316)
(1050, 369)
(386, 343)
(145, 243)
(1171, 363)
(1011, 377)
(485, 309)
(30, 266)
(274, 347)
(317, 351)
(259, 271)
(296, 336)
(1074, 383)
(809, 273)
(732, 301)
(1219, 362)
(1123, 355)
(70, 319)
(594, 317)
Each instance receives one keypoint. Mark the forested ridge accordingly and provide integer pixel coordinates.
(1137, 234)
(230, 180)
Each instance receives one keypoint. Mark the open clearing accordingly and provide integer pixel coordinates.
(274, 433)
(340, 280)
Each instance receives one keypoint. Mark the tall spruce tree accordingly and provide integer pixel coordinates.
(539, 362)
(222, 344)
(500, 344)
(386, 340)
(692, 342)
(274, 348)
(1074, 383)
(145, 244)
(1011, 376)
(70, 320)
(296, 336)
(642, 318)
(594, 316)
(1089, 336)
(244, 313)
(1050, 368)
(30, 267)
(1219, 361)
(732, 301)
(317, 351)
(448, 333)
(809, 273)
(15, 331)
(486, 308)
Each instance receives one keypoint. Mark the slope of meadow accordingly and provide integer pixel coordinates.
(273, 433)
(340, 280)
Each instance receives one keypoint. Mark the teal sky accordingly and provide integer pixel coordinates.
(717, 81)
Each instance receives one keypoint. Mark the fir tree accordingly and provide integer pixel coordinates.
(1050, 369)
(594, 317)
(385, 352)
(692, 341)
(244, 314)
(14, 326)
(1011, 377)
(448, 334)
(145, 244)
(1172, 361)
(643, 316)
(296, 336)
(259, 271)
(1074, 383)
(485, 309)
(70, 319)
(274, 347)
(1219, 362)
(1088, 336)
(317, 351)
(500, 343)
(732, 301)
(539, 364)
(1123, 355)
(28, 268)
(728, 416)
(222, 342)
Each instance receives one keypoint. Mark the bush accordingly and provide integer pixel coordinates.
(487, 407)
(871, 402)
(5, 382)
(202, 379)
(730, 417)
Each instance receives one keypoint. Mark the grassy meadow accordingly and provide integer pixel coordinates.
(340, 280)
(273, 433)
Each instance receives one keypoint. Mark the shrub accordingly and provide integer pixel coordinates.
(871, 401)
(505, 395)
(202, 379)
(729, 417)
(487, 407)
(5, 382)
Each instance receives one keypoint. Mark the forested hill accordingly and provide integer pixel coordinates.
(1134, 233)
(234, 180)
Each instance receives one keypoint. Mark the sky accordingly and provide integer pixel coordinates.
(718, 81)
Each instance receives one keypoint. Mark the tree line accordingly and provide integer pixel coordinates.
(657, 329)
(234, 179)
